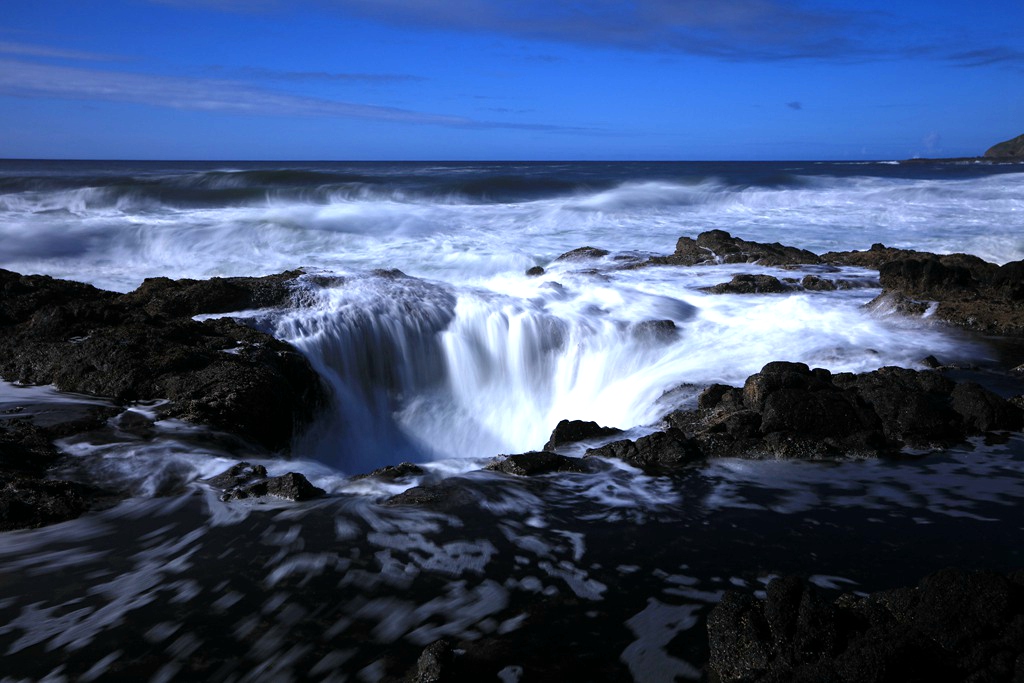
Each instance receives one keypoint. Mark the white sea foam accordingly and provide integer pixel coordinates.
(469, 357)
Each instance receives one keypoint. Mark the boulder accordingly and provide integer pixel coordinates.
(572, 431)
(246, 480)
(537, 462)
(655, 452)
(582, 253)
(393, 472)
(750, 284)
(718, 246)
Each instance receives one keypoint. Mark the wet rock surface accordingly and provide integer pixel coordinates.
(718, 246)
(29, 496)
(953, 626)
(144, 345)
(582, 253)
(573, 431)
(29, 502)
(245, 480)
(751, 284)
(968, 292)
(791, 411)
(537, 462)
(655, 452)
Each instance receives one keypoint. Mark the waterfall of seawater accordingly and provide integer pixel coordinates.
(421, 372)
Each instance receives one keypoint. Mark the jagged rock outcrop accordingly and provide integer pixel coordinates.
(966, 292)
(953, 626)
(573, 431)
(718, 246)
(246, 480)
(790, 411)
(144, 345)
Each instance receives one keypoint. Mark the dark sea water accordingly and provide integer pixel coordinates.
(602, 576)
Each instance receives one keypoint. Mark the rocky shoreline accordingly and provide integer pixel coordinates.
(145, 346)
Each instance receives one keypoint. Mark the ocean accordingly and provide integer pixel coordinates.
(460, 357)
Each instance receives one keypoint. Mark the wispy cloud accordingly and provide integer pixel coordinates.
(324, 76)
(31, 50)
(27, 79)
(987, 57)
(732, 30)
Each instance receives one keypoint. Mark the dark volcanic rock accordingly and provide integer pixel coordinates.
(966, 291)
(582, 253)
(750, 284)
(655, 452)
(537, 462)
(879, 255)
(161, 296)
(790, 411)
(219, 372)
(28, 502)
(953, 626)
(445, 495)
(393, 472)
(25, 448)
(535, 271)
(434, 664)
(571, 431)
(718, 246)
(246, 480)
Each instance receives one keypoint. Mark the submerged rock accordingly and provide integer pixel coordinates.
(537, 462)
(953, 626)
(144, 345)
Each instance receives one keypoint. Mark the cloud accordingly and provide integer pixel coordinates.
(29, 50)
(795, 105)
(325, 76)
(26, 79)
(729, 29)
(987, 57)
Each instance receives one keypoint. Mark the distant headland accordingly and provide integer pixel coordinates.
(1009, 150)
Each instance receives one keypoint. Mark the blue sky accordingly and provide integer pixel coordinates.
(508, 79)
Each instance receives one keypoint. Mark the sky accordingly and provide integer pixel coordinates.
(509, 79)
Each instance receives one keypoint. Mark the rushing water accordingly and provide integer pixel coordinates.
(461, 356)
